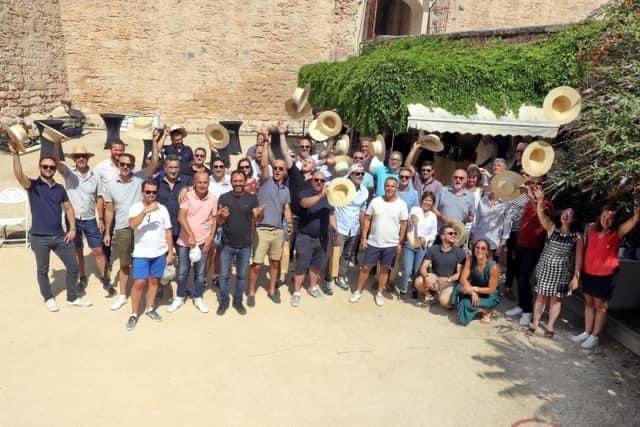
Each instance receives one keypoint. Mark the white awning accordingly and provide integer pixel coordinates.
(529, 121)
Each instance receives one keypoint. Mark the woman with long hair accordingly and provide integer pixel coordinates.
(558, 270)
(600, 270)
(477, 292)
(252, 184)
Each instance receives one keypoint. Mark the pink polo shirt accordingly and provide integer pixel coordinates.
(200, 214)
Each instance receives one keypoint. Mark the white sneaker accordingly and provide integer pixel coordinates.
(579, 338)
(79, 302)
(200, 305)
(119, 302)
(525, 319)
(515, 311)
(51, 305)
(379, 299)
(590, 342)
(355, 296)
(176, 304)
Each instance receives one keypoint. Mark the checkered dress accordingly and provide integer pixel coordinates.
(555, 267)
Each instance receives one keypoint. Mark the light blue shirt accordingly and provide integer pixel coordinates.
(410, 197)
(367, 181)
(380, 173)
(348, 217)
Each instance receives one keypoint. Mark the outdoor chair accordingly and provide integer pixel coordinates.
(14, 196)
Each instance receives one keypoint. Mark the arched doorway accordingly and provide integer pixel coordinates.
(393, 18)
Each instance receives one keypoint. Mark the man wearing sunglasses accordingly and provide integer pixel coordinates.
(359, 157)
(405, 191)
(423, 179)
(47, 199)
(441, 268)
(455, 202)
(83, 187)
(152, 250)
(198, 164)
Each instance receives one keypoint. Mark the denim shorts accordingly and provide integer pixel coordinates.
(386, 256)
(143, 268)
(88, 227)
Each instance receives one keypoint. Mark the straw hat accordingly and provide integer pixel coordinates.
(168, 274)
(50, 134)
(18, 135)
(291, 107)
(300, 97)
(461, 230)
(217, 135)
(340, 192)
(562, 105)
(342, 145)
(315, 133)
(178, 128)
(537, 158)
(506, 185)
(141, 128)
(431, 142)
(80, 149)
(379, 147)
(343, 163)
(329, 123)
(59, 113)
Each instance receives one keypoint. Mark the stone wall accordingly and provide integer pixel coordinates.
(33, 77)
(195, 61)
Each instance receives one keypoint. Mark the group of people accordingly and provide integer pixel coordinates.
(224, 223)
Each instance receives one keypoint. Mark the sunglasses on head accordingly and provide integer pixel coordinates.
(48, 167)
(148, 192)
(125, 165)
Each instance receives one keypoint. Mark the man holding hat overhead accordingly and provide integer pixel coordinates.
(83, 187)
(179, 149)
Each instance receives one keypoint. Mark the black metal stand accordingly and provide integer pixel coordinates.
(112, 122)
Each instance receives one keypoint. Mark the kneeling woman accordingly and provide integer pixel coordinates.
(478, 288)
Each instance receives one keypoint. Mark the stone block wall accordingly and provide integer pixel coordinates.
(33, 76)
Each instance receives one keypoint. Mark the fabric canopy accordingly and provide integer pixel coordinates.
(529, 121)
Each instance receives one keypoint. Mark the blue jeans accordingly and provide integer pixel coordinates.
(42, 247)
(242, 256)
(411, 262)
(199, 273)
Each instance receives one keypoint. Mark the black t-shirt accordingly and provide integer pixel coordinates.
(297, 183)
(314, 221)
(444, 264)
(236, 230)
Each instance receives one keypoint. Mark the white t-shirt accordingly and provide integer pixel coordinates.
(219, 188)
(150, 236)
(427, 226)
(385, 221)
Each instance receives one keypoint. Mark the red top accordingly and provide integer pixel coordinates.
(532, 233)
(601, 255)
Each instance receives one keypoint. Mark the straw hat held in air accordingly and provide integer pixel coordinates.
(217, 135)
(537, 158)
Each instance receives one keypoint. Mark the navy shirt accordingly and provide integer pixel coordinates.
(297, 183)
(185, 155)
(169, 198)
(46, 207)
(314, 221)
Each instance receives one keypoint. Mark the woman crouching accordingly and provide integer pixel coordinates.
(477, 291)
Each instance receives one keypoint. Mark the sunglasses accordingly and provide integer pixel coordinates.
(148, 192)
(80, 156)
(358, 174)
(278, 168)
(218, 166)
(405, 176)
(358, 158)
(245, 167)
(482, 248)
(427, 170)
(199, 156)
(458, 177)
(125, 165)
(48, 167)
(319, 180)
(305, 147)
(451, 233)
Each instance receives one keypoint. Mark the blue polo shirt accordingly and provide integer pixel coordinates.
(185, 154)
(46, 207)
(169, 198)
(380, 174)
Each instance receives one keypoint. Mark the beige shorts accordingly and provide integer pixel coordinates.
(269, 242)
(122, 245)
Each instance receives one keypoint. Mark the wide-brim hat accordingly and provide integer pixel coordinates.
(379, 147)
(50, 134)
(168, 274)
(291, 107)
(59, 113)
(329, 123)
(461, 231)
(537, 158)
(506, 185)
(431, 142)
(342, 145)
(562, 105)
(343, 163)
(217, 135)
(178, 128)
(301, 96)
(78, 150)
(141, 128)
(315, 133)
(18, 135)
(340, 192)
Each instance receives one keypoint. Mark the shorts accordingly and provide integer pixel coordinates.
(91, 231)
(598, 286)
(269, 242)
(310, 252)
(386, 256)
(122, 243)
(144, 268)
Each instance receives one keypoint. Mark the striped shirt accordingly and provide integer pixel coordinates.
(517, 207)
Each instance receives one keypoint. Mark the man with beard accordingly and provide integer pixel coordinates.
(455, 202)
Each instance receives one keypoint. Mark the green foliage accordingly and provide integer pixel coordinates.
(371, 91)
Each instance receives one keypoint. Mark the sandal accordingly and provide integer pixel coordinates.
(548, 334)
(530, 332)
(486, 319)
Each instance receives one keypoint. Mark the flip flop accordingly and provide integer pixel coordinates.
(530, 332)
(548, 334)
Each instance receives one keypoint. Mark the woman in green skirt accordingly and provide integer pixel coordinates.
(477, 291)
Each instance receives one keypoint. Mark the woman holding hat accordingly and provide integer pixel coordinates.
(600, 270)
(558, 269)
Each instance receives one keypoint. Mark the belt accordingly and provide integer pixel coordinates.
(268, 227)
